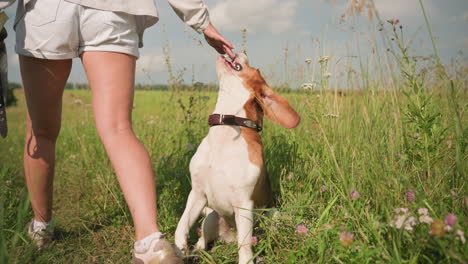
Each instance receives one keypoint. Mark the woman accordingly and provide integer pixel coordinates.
(106, 35)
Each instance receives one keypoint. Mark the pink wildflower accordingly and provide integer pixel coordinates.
(411, 195)
(323, 188)
(254, 240)
(354, 194)
(346, 239)
(302, 230)
(451, 220)
(198, 231)
(455, 194)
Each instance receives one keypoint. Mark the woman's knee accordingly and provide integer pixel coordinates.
(44, 129)
(109, 131)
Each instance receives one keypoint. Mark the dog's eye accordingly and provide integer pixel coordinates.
(237, 67)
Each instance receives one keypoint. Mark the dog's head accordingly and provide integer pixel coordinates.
(261, 99)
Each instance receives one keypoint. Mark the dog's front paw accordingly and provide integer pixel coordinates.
(181, 248)
(181, 252)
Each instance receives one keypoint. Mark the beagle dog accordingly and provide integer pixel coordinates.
(228, 173)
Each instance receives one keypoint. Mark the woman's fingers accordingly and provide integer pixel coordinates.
(218, 42)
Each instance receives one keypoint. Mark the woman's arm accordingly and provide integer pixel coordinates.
(195, 14)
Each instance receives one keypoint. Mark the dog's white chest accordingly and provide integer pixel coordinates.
(222, 170)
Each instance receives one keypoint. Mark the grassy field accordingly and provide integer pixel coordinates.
(375, 173)
(338, 179)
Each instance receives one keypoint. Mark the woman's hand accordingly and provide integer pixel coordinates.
(218, 42)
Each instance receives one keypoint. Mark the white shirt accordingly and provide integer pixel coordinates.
(193, 12)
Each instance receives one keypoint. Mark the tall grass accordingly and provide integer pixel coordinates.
(348, 182)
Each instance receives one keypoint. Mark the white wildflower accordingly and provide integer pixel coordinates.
(425, 219)
(308, 61)
(401, 210)
(423, 211)
(461, 235)
(400, 221)
(410, 223)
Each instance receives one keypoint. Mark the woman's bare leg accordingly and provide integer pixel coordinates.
(43, 82)
(111, 77)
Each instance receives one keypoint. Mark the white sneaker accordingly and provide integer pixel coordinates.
(160, 251)
(40, 236)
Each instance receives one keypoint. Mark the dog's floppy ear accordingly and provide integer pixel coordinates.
(277, 109)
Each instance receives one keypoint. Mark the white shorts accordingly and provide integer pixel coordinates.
(57, 29)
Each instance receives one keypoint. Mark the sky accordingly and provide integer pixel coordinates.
(305, 28)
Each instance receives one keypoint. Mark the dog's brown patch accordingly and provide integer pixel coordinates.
(262, 194)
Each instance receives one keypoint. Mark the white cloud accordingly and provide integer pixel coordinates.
(275, 16)
(404, 8)
(150, 61)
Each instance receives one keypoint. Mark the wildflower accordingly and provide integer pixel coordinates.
(416, 135)
(451, 220)
(354, 194)
(455, 194)
(324, 59)
(78, 101)
(404, 220)
(308, 61)
(401, 210)
(254, 240)
(398, 156)
(346, 239)
(437, 228)
(410, 222)
(411, 195)
(302, 230)
(327, 75)
(290, 176)
(393, 21)
(423, 211)
(323, 188)
(198, 231)
(259, 260)
(461, 235)
(426, 219)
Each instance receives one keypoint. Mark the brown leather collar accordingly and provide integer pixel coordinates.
(232, 120)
